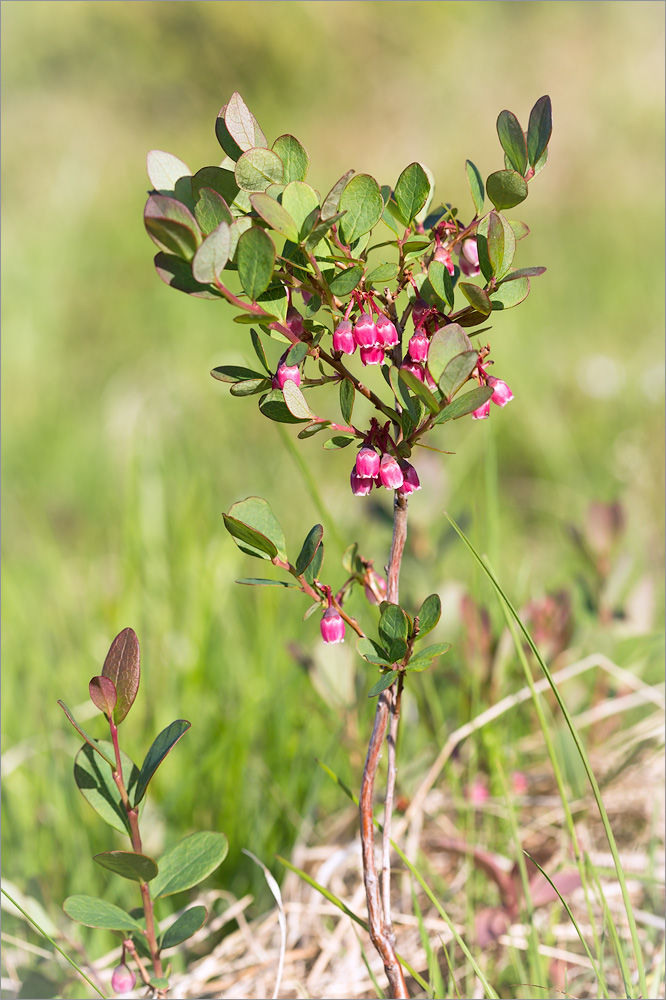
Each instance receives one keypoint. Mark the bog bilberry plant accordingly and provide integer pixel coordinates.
(115, 787)
(366, 276)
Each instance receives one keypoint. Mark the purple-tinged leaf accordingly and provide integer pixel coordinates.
(171, 226)
(213, 255)
(506, 188)
(512, 138)
(539, 129)
(258, 168)
(103, 694)
(242, 125)
(87, 737)
(457, 373)
(275, 215)
(294, 157)
(256, 513)
(165, 170)
(177, 273)
(329, 206)
(477, 297)
(137, 867)
(158, 751)
(210, 210)
(523, 272)
(446, 344)
(122, 666)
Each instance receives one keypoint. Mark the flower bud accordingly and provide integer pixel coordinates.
(390, 473)
(501, 392)
(469, 258)
(367, 464)
(343, 338)
(122, 980)
(414, 368)
(429, 380)
(295, 322)
(286, 373)
(420, 310)
(360, 486)
(444, 257)
(365, 331)
(411, 480)
(332, 626)
(483, 412)
(386, 332)
(418, 346)
(371, 355)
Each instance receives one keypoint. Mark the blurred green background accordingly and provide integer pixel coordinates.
(120, 452)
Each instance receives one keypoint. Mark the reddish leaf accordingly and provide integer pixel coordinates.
(103, 694)
(122, 666)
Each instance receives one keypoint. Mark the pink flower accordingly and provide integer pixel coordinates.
(286, 373)
(386, 332)
(429, 380)
(122, 980)
(501, 392)
(295, 322)
(371, 355)
(420, 310)
(343, 338)
(367, 464)
(477, 792)
(519, 783)
(390, 473)
(444, 257)
(365, 331)
(483, 411)
(418, 346)
(469, 258)
(411, 480)
(414, 368)
(332, 626)
(360, 486)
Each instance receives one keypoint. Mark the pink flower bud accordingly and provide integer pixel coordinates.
(420, 310)
(122, 980)
(365, 331)
(444, 257)
(371, 355)
(429, 380)
(390, 473)
(360, 486)
(386, 332)
(477, 792)
(332, 626)
(414, 368)
(367, 464)
(501, 392)
(418, 347)
(295, 322)
(286, 373)
(343, 338)
(411, 480)
(469, 258)
(483, 411)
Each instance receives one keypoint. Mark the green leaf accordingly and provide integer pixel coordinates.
(373, 652)
(381, 273)
(103, 695)
(296, 402)
(520, 229)
(213, 255)
(457, 372)
(421, 390)
(123, 666)
(274, 407)
(275, 215)
(391, 216)
(159, 982)
(276, 302)
(310, 546)
(347, 396)
(475, 186)
(465, 404)
(539, 129)
(255, 512)
(296, 354)
(411, 191)
(256, 581)
(302, 203)
(314, 428)
(177, 273)
(210, 210)
(237, 129)
(523, 272)
(512, 139)
(383, 683)
(393, 623)
(506, 188)
(446, 344)
(330, 204)
(346, 281)
(158, 751)
(258, 168)
(235, 373)
(96, 784)
(217, 179)
(510, 293)
(424, 657)
(259, 350)
(137, 867)
(93, 912)
(250, 387)
(501, 245)
(109, 758)
(188, 923)
(318, 233)
(165, 170)
(189, 862)
(476, 297)
(440, 279)
(363, 203)
(294, 157)
(429, 614)
(312, 571)
(171, 226)
(256, 259)
(338, 442)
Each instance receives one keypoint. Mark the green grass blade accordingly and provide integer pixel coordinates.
(378, 990)
(51, 941)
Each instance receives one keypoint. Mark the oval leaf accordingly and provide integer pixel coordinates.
(382, 273)
(171, 225)
(275, 215)
(137, 867)
(312, 571)
(446, 344)
(255, 257)
(347, 396)
(210, 210)
(189, 862)
(411, 191)
(258, 168)
(457, 372)
(274, 407)
(372, 652)
(294, 157)
(95, 782)
(383, 683)
(93, 912)
(476, 296)
(241, 126)
(539, 129)
(475, 186)
(512, 139)
(506, 188)
(331, 203)
(440, 279)
(393, 623)
(255, 512)
(103, 694)
(310, 546)
(165, 170)
(177, 273)
(429, 614)
(235, 373)
(217, 179)
(421, 390)
(158, 751)
(213, 255)
(363, 203)
(296, 402)
(122, 666)
(296, 354)
(346, 281)
(424, 657)
(465, 404)
(109, 758)
(188, 923)
(302, 203)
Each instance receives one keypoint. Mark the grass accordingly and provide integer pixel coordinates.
(120, 452)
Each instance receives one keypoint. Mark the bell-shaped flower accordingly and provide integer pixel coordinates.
(332, 626)
(286, 373)
(483, 412)
(371, 355)
(418, 346)
(365, 331)
(343, 338)
(415, 368)
(360, 486)
(469, 258)
(367, 464)
(410, 479)
(295, 322)
(386, 332)
(443, 255)
(390, 473)
(501, 392)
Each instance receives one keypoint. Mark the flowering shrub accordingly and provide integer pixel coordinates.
(364, 267)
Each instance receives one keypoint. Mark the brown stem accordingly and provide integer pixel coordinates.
(388, 702)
